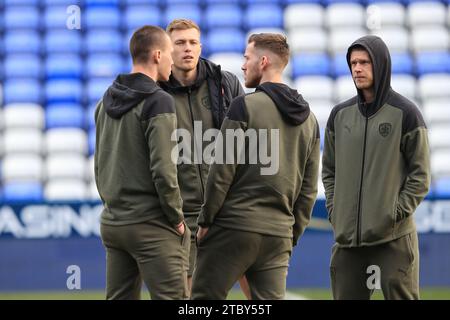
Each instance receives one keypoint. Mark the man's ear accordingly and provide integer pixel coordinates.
(265, 61)
(156, 56)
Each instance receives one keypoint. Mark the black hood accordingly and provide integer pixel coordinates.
(381, 63)
(126, 92)
(290, 103)
(205, 69)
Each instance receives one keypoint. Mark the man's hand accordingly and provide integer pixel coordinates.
(180, 228)
(201, 233)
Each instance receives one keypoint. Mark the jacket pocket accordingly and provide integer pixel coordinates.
(343, 222)
(378, 223)
(396, 215)
(410, 248)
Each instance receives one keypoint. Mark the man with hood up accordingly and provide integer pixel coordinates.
(375, 173)
(142, 224)
(252, 217)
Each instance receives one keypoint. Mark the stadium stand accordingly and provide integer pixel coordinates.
(52, 77)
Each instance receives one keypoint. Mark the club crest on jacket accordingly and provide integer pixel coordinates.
(385, 129)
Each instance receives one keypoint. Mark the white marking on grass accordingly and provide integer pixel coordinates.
(294, 296)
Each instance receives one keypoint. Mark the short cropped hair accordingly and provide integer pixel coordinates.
(143, 41)
(274, 42)
(182, 24)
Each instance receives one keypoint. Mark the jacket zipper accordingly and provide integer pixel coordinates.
(198, 165)
(358, 230)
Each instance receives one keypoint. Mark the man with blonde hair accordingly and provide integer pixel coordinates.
(202, 93)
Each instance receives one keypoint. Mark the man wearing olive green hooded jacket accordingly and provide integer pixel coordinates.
(142, 224)
(375, 173)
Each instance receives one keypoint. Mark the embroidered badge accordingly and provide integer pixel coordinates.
(385, 129)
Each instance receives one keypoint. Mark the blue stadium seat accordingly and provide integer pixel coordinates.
(64, 115)
(183, 11)
(60, 41)
(66, 3)
(288, 2)
(96, 87)
(104, 65)
(101, 17)
(137, 16)
(223, 16)
(225, 40)
(402, 63)
(322, 138)
(432, 62)
(91, 141)
(62, 65)
(340, 65)
(63, 90)
(22, 90)
(22, 191)
(103, 41)
(126, 41)
(441, 187)
(22, 65)
(21, 17)
(55, 17)
(212, 2)
(310, 64)
(92, 3)
(22, 42)
(279, 2)
(7, 3)
(188, 2)
(264, 16)
(127, 63)
(90, 116)
(141, 2)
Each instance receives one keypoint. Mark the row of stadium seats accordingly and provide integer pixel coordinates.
(302, 41)
(77, 93)
(62, 90)
(231, 15)
(71, 177)
(51, 77)
(26, 65)
(202, 3)
(70, 129)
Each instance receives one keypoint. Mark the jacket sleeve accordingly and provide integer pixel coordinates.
(221, 176)
(417, 156)
(328, 169)
(158, 131)
(308, 192)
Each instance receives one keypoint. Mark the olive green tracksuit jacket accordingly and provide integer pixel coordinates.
(134, 172)
(375, 160)
(239, 196)
(205, 102)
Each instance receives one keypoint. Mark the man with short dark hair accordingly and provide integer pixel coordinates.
(256, 210)
(142, 224)
(375, 173)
